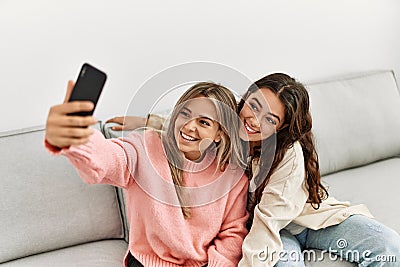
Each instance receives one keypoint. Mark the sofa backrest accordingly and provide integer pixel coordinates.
(44, 204)
(356, 120)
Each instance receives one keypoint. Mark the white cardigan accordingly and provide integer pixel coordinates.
(284, 202)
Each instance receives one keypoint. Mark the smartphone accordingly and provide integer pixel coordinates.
(88, 87)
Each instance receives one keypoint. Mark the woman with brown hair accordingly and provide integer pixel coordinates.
(290, 206)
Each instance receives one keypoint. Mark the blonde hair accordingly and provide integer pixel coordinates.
(228, 149)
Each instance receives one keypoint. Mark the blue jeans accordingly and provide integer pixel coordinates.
(358, 239)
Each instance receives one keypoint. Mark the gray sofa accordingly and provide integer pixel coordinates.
(49, 217)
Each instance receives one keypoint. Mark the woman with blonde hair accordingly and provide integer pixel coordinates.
(185, 188)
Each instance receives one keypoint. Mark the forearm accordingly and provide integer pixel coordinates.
(263, 244)
(99, 160)
(154, 121)
(227, 246)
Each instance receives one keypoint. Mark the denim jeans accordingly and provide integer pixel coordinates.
(358, 239)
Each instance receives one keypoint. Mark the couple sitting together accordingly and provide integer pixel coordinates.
(221, 183)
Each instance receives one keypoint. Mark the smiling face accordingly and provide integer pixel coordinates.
(262, 115)
(196, 127)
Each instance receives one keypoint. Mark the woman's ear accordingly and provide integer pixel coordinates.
(218, 137)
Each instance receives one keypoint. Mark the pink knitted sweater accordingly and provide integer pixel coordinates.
(159, 234)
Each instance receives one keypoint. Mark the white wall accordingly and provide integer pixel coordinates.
(44, 42)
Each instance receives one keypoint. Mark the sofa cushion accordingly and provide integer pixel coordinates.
(108, 253)
(376, 185)
(44, 204)
(356, 120)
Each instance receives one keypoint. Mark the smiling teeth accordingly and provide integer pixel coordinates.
(187, 137)
(249, 129)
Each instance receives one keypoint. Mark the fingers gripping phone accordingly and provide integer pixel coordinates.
(88, 87)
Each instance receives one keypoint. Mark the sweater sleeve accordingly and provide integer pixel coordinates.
(283, 200)
(226, 249)
(100, 160)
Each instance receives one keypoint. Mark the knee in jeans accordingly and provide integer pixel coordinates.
(385, 249)
(390, 247)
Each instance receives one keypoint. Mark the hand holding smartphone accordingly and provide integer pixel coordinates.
(88, 87)
(64, 130)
